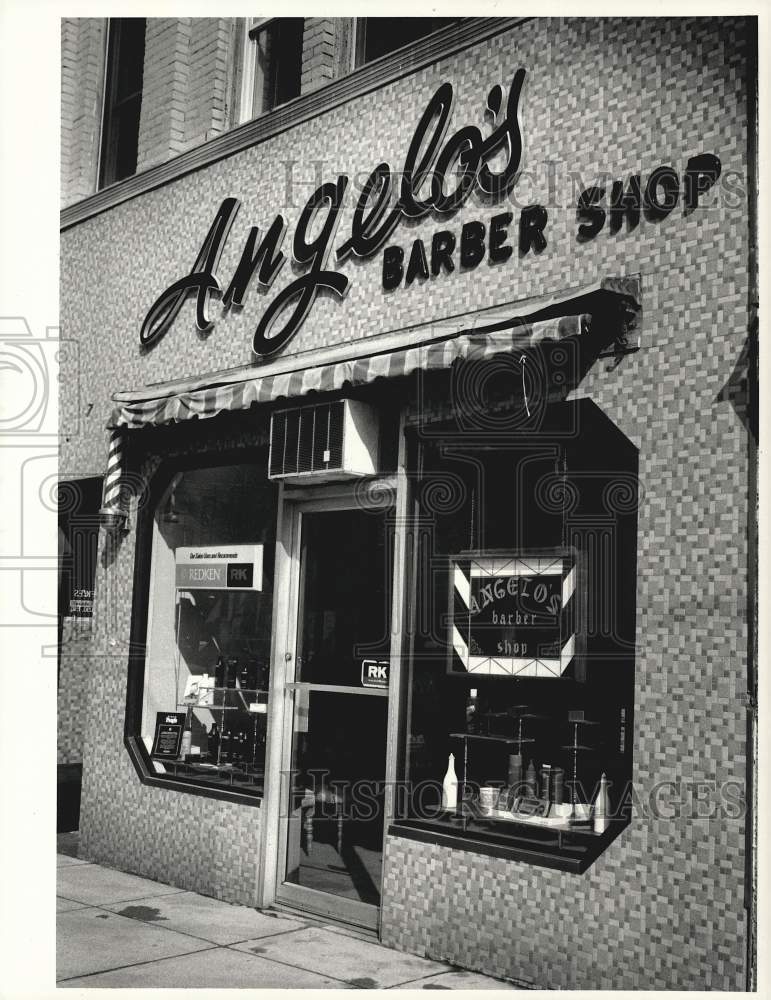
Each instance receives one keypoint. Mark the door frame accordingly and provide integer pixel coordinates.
(292, 503)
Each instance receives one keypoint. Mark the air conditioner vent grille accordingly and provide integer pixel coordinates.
(312, 439)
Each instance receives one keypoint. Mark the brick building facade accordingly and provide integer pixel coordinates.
(664, 904)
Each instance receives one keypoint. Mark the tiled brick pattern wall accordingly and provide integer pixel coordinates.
(74, 665)
(83, 45)
(663, 906)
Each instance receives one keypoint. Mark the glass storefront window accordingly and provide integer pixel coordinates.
(207, 670)
(521, 688)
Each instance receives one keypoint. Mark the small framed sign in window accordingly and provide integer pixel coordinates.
(512, 614)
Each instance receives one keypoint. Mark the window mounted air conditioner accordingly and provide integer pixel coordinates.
(325, 442)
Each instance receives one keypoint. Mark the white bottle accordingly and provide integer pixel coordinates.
(187, 735)
(450, 786)
(601, 819)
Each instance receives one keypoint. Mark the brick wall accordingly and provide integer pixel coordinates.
(327, 43)
(208, 108)
(164, 90)
(188, 87)
(82, 81)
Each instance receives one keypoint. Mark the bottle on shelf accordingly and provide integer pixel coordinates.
(450, 786)
(546, 782)
(252, 674)
(601, 814)
(219, 673)
(515, 770)
(558, 785)
(242, 745)
(231, 671)
(187, 734)
(472, 711)
(531, 781)
(214, 743)
(225, 746)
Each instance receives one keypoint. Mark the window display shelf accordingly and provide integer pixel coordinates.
(225, 691)
(550, 822)
(217, 708)
(238, 690)
(240, 732)
(245, 696)
(571, 849)
(493, 739)
(231, 774)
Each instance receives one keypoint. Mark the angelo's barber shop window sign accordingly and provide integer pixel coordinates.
(511, 616)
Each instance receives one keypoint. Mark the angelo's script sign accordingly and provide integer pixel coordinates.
(438, 177)
(431, 161)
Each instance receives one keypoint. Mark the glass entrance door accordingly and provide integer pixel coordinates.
(331, 840)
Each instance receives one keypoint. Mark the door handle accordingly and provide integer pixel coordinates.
(334, 688)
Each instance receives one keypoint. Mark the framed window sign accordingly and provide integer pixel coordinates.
(512, 614)
(168, 735)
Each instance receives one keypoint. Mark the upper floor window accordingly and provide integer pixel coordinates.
(377, 36)
(272, 66)
(122, 99)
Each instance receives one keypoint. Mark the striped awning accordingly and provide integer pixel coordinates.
(431, 346)
(209, 400)
(498, 329)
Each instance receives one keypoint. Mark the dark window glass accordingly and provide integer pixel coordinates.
(79, 502)
(522, 675)
(377, 36)
(278, 62)
(122, 99)
(209, 627)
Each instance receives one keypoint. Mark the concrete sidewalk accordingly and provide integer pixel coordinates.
(115, 929)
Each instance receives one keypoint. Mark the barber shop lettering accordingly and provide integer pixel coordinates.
(428, 163)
